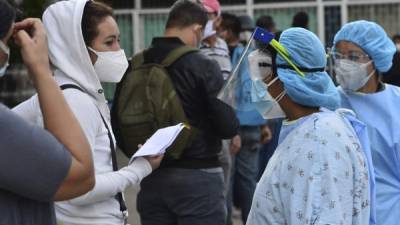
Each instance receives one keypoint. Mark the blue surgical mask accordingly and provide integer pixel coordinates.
(6, 50)
(264, 103)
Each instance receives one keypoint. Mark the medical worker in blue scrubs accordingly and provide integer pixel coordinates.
(362, 51)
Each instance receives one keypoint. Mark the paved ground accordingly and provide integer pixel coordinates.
(130, 196)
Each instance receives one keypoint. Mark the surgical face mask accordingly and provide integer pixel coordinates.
(6, 51)
(209, 29)
(264, 103)
(260, 65)
(245, 36)
(352, 75)
(110, 66)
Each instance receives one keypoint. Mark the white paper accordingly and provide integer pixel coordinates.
(159, 141)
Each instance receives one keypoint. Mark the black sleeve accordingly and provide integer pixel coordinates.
(33, 163)
(222, 117)
(392, 76)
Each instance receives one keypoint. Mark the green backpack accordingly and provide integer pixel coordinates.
(145, 101)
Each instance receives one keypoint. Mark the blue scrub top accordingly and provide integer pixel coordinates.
(380, 112)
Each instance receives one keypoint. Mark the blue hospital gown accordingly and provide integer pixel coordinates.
(380, 112)
(318, 175)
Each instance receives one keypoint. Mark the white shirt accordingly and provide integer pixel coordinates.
(221, 54)
(98, 206)
(72, 65)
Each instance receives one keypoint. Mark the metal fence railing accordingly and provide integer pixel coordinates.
(139, 25)
(141, 20)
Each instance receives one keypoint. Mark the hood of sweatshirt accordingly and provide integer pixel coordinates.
(67, 50)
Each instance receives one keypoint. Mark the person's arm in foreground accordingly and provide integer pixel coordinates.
(57, 116)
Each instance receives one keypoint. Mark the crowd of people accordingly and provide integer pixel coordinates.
(294, 145)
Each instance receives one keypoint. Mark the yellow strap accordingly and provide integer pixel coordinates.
(186, 125)
(284, 53)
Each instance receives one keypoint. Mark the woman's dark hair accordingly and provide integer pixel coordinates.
(7, 17)
(93, 14)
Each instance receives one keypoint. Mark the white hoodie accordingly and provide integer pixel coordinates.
(70, 57)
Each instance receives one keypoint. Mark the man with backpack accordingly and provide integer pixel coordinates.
(172, 82)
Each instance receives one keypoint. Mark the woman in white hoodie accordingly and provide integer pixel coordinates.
(84, 49)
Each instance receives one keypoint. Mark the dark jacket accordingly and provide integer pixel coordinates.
(393, 75)
(197, 80)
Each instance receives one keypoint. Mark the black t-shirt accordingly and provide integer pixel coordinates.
(393, 75)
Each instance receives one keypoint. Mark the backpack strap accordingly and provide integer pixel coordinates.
(71, 86)
(119, 197)
(176, 54)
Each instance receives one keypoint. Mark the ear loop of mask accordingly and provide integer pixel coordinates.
(372, 72)
(280, 96)
(272, 81)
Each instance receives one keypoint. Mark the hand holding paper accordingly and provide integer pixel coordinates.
(159, 142)
(154, 161)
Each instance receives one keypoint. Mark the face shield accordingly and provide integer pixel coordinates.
(261, 74)
(260, 66)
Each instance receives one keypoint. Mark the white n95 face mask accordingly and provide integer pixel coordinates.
(352, 75)
(110, 66)
(245, 36)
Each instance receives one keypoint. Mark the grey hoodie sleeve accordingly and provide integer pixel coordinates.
(33, 164)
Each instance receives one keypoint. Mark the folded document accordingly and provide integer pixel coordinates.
(159, 141)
